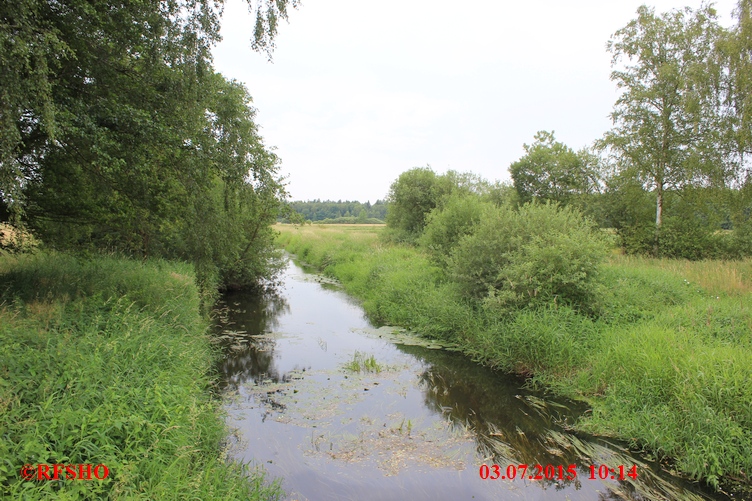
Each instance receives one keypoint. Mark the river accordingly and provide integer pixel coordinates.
(339, 409)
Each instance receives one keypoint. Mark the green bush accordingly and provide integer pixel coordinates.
(538, 254)
(687, 238)
(742, 238)
(445, 226)
(637, 239)
(413, 195)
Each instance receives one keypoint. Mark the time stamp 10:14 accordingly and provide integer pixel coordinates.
(554, 472)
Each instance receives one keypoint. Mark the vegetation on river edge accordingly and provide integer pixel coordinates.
(107, 361)
(666, 364)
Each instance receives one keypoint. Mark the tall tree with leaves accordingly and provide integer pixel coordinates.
(735, 53)
(552, 171)
(666, 121)
(117, 133)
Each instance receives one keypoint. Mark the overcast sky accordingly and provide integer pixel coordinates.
(361, 91)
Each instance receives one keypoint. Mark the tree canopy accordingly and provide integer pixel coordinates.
(666, 121)
(318, 210)
(550, 170)
(681, 134)
(117, 133)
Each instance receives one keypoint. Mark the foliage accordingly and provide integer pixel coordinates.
(420, 190)
(538, 254)
(688, 237)
(106, 361)
(348, 220)
(741, 219)
(118, 134)
(667, 127)
(700, 223)
(411, 197)
(733, 53)
(317, 210)
(551, 171)
(681, 136)
(268, 15)
(446, 225)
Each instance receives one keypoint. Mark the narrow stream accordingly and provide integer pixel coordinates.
(415, 422)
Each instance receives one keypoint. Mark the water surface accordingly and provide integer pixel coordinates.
(418, 428)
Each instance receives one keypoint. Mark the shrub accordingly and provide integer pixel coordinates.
(687, 238)
(539, 254)
(445, 226)
(411, 197)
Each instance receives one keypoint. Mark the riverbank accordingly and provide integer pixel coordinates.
(106, 361)
(666, 365)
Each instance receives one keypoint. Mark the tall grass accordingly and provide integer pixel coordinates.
(106, 361)
(665, 361)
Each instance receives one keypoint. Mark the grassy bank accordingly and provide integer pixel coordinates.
(666, 363)
(106, 361)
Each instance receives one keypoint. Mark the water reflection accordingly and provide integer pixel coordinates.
(243, 322)
(512, 426)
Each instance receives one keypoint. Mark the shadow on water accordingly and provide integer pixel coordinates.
(513, 425)
(418, 426)
(241, 321)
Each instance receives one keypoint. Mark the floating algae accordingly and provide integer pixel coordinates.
(404, 337)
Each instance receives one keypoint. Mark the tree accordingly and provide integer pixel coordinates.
(411, 197)
(418, 191)
(666, 121)
(735, 54)
(551, 170)
(47, 46)
(116, 133)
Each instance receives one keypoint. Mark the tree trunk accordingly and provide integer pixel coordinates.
(658, 216)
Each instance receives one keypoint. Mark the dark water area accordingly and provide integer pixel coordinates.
(417, 422)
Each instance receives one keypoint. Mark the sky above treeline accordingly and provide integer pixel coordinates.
(359, 92)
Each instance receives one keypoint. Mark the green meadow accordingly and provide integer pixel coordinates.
(107, 361)
(663, 356)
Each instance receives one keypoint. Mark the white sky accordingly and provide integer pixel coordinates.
(361, 91)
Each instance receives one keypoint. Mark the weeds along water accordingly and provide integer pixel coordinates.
(106, 361)
(665, 362)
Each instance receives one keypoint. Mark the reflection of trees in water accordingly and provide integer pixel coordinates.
(241, 317)
(508, 428)
(255, 313)
(514, 427)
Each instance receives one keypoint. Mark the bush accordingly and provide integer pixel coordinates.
(412, 196)
(447, 225)
(685, 238)
(539, 254)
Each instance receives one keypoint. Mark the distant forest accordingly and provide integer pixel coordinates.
(330, 211)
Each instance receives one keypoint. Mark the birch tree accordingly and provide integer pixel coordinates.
(666, 120)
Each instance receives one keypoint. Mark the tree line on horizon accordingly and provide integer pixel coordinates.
(340, 211)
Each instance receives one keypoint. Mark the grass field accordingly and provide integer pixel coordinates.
(666, 364)
(107, 361)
